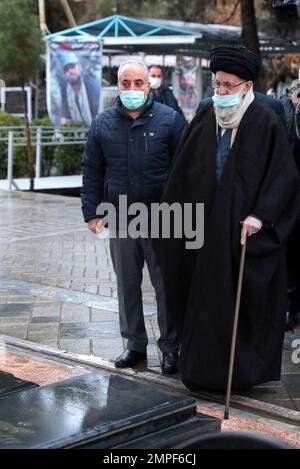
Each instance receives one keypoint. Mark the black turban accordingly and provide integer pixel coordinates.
(236, 60)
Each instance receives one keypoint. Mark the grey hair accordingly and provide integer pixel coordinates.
(135, 62)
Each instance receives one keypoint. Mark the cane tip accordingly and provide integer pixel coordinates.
(226, 415)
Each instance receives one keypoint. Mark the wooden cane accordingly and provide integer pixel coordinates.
(234, 331)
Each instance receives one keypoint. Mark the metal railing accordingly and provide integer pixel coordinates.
(41, 136)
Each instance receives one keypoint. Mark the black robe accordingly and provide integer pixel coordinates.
(259, 178)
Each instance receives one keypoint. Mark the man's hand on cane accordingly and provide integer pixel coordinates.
(251, 226)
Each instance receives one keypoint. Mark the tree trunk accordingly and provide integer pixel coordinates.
(249, 27)
(249, 31)
(28, 141)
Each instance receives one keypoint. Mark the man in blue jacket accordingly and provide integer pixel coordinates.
(162, 93)
(128, 152)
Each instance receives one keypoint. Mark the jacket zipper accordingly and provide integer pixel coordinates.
(146, 142)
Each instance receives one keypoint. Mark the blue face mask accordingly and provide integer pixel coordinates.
(226, 100)
(132, 99)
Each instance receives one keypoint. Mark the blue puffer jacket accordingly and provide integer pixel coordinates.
(125, 156)
(167, 97)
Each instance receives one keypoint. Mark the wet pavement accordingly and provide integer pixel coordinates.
(57, 288)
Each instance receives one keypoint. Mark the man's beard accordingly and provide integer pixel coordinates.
(226, 114)
(75, 81)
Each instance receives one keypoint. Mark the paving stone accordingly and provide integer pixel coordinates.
(105, 291)
(154, 365)
(268, 394)
(77, 285)
(51, 281)
(287, 403)
(107, 348)
(91, 330)
(269, 384)
(46, 309)
(75, 316)
(45, 319)
(72, 308)
(98, 314)
(94, 289)
(292, 384)
(64, 283)
(104, 275)
(44, 301)
(51, 343)
(15, 309)
(19, 299)
(42, 336)
(44, 327)
(18, 321)
(81, 346)
(297, 404)
(14, 330)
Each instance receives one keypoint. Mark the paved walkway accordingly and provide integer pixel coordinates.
(51, 182)
(57, 287)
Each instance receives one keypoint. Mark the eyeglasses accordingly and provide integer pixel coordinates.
(227, 85)
(293, 89)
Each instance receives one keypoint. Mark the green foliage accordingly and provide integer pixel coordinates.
(89, 10)
(47, 152)
(6, 120)
(61, 160)
(20, 168)
(20, 39)
(21, 47)
(41, 121)
(67, 158)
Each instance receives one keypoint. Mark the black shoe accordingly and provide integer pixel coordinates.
(169, 363)
(130, 358)
(292, 320)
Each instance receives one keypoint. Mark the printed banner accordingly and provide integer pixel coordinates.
(185, 85)
(73, 79)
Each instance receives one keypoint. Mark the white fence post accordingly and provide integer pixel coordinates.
(10, 159)
(38, 153)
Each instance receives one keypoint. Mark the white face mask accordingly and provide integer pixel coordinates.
(155, 82)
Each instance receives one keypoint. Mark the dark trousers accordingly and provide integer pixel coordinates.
(128, 257)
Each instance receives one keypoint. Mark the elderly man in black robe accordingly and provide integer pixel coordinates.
(236, 160)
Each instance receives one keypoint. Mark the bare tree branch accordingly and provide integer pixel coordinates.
(233, 12)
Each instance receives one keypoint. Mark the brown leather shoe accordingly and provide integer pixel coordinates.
(129, 358)
(169, 363)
